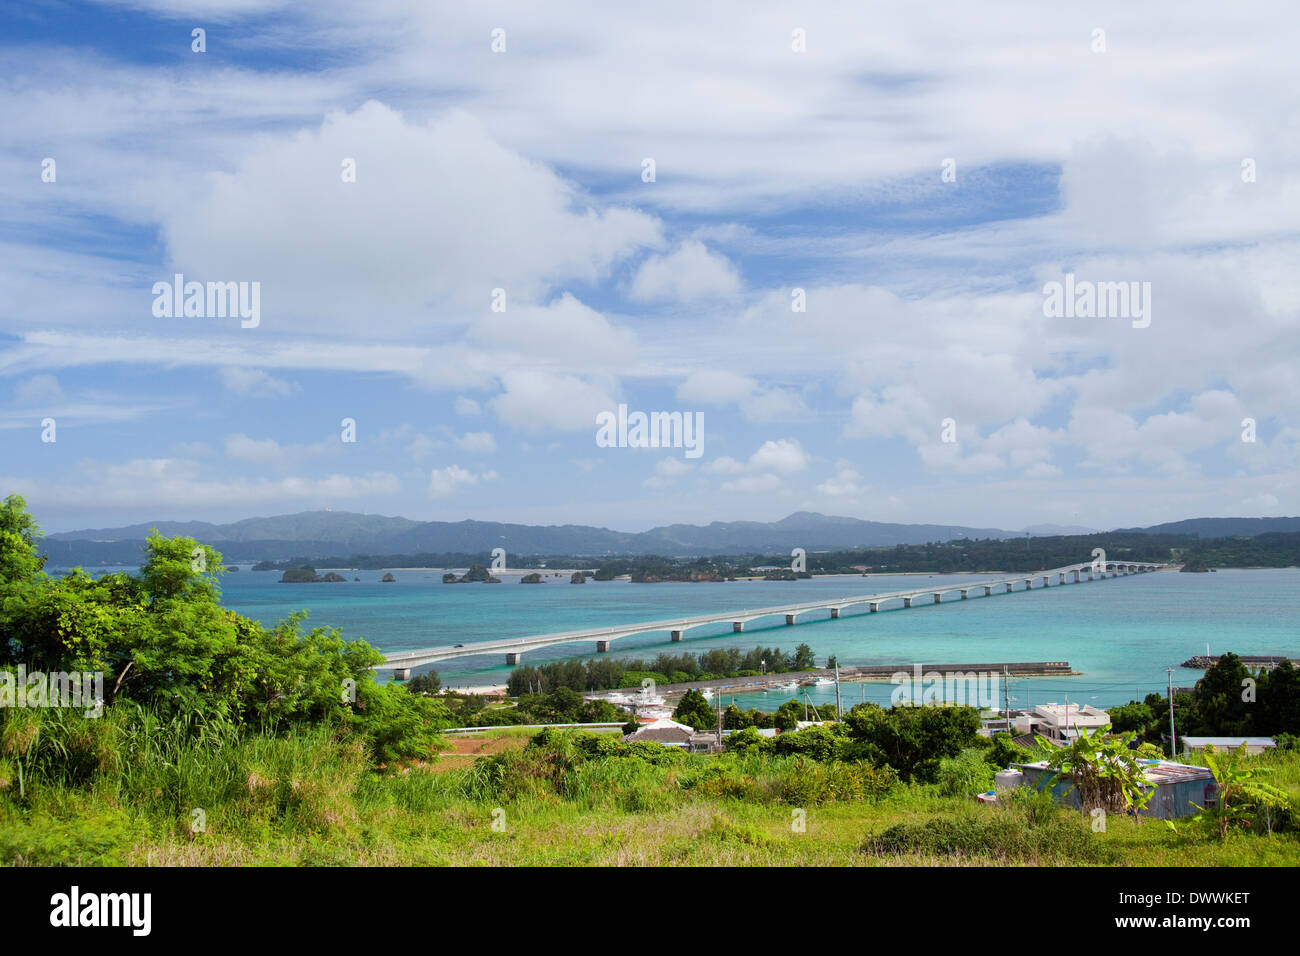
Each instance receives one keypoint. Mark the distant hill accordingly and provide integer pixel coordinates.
(1222, 527)
(319, 534)
(1053, 530)
(312, 534)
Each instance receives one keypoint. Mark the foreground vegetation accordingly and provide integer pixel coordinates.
(310, 798)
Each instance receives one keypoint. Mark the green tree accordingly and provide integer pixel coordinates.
(912, 740)
(426, 683)
(695, 710)
(1220, 708)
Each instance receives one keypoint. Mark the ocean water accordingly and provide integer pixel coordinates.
(1120, 633)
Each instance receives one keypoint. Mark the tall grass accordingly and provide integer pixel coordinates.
(125, 788)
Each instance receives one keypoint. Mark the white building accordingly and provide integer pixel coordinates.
(1059, 724)
(1254, 745)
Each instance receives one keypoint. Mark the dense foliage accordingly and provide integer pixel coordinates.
(164, 643)
(604, 673)
(1229, 700)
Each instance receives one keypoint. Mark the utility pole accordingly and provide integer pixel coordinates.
(1173, 737)
(839, 713)
(1006, 698)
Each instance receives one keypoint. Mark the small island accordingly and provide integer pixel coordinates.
(476, 573)
(308, 575)
(533, 578)
(578, 578)
(389, 579)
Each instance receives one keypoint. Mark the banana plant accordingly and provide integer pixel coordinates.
(1104, 770)
(1243, 798)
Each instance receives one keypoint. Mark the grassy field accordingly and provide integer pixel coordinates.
(310, 800)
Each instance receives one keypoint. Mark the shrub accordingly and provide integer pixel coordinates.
(999, 834)
(965, 775)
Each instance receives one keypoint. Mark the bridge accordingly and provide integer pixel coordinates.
(401, 662)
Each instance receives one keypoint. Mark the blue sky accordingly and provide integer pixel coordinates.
(1117, 157)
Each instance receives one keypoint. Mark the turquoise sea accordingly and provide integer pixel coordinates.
(1120, 633)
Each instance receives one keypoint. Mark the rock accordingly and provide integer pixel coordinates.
(299, 576)
(476, 573)
(332, 578)
(533, 578)
(389, 579)
(578, 578)
(449, 578)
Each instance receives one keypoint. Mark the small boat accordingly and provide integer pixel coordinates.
(706, 693)
(823, 682)
(792, 685)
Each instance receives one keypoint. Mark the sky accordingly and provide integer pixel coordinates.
(827, 230)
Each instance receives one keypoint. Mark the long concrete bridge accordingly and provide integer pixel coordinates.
(401, 662)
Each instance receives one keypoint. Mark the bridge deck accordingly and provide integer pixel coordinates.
(515, 645)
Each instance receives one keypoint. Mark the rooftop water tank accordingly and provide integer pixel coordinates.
(1008, 779)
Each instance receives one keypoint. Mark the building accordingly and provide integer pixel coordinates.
(1179, 788)
(670, 733)
(1254, 745)
(1061, 723)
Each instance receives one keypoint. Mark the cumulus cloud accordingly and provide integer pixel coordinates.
(535, 399)
(253, 382)
(440, 212)
(445, 482)
(688, 274)
(481, 443)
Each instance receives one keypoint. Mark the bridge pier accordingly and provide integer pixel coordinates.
(401, 673)
(675, 635)
(1062, 580)
(1029, 584)
(602, 647)
(874, 606)
(936, 597)
(1008, 587)
(789, 619)
(835, 613)
(1047, 580)
(964, 592)
(1076, 575)
(737, 626)
(988, 590)
(907, 602)
(514, 657)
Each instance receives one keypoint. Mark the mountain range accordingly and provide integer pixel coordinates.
(319, 534)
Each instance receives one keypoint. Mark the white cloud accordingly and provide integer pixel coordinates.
(252, 382)
(845, 483)
(544, 400)
(37, 390)
(783, 456)
(445, 482)
(667, 470)
(440, 213)
(688, 274)
(481, 443)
